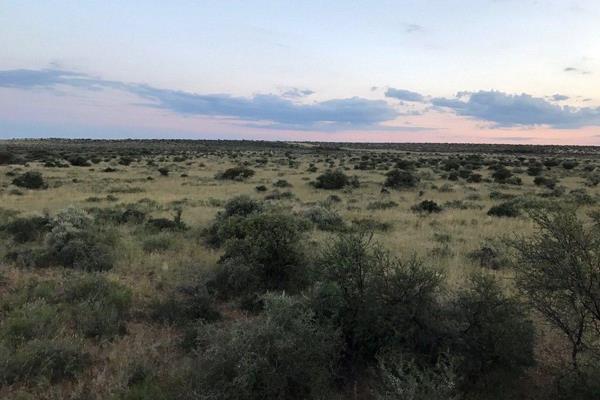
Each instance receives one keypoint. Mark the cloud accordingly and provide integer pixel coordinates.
(410, 28)
(559, 97)
(509, 110)
(297, 93)
(576, 71)
(280, 110)
(405, 95)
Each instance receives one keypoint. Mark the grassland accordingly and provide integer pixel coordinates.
(152, 264)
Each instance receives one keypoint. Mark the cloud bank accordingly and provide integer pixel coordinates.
(348, 113)
(290, 110)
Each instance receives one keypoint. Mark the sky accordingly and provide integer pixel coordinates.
(481, 71)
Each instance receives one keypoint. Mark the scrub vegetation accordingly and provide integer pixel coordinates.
(256, 270)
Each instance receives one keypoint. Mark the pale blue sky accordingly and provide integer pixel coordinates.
(302, 69)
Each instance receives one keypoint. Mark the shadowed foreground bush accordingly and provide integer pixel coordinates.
(283, 354)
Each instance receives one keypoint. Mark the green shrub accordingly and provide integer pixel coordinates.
(399, 377)
(495, 337)
(557, 270)
(228, 222)
(427, 206)
(164, 171)
(99, 307)
(185, 304)
(79, 161)
(267, 254)
(236, 173)
(376, 300)
(75, 242)
(52, 359)
(282, 354)
(543, 181)
(400, 179)
(325, 219)
(158, 243)
(282, 183)
(502, 175)
(506, 209)
(489, 255)
(32, 320)
(30, 180)
(27, 229)
(381, 205)
(332, 180)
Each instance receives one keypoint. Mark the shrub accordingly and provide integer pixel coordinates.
(228, 222)
(158, 243)
(282, 354)
(74, 242)
(381, 205)
(474, 178)
(376, 300)
(370, 225)
(164, 171)
(32, 320)
(400, 377)
(325, 219)
(79, 161)
(332, 180)
(30, 180)
(53, 359)
(502, 175)
(569, 164)
(261, 188)
(489, 256)
(185, 304)
(557, 270)
(400, 179)
(266, 254)
(494, 337)
(99, 307)
(27, 229)
(543, 181)
(506, 209)
(427, 206)
(236, 173)
(282, 183)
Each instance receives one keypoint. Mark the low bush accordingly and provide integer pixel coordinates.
(99, 307)
(30, 180)
(335, 179)
(266, 254)
(377, 301)
(236, 173)
(283, 354)
(495, 338)
(185, 304)
(27, 229)
(75, 242)
(506, 209)
(381, 205)
(427, 206)
(325, 219)
(400, 377)
(400, 179)
(52, 359)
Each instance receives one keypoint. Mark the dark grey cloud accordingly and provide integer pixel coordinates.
(281, 111)
(405, 95)
(507, 110)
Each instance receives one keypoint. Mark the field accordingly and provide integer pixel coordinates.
(150, 210)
